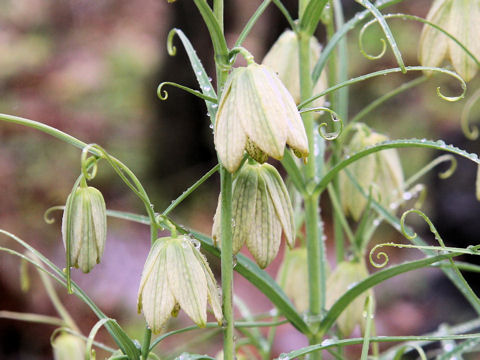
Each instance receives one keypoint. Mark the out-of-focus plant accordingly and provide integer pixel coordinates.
(259, 112)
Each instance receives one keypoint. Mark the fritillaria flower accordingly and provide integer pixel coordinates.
(346, 275)
(256, 113)
(261, 211)
(381, 173)
(68, 347)
(283, 59)
(85, 223)
(460, 18)
(176, 275)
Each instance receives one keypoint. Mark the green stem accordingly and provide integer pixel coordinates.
(227, 264)
(313, 223)
(218, 12)
(191, 189)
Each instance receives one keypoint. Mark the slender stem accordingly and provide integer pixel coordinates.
(218, 12)
(302, 5)
(191, 189)
(333, 78)
(227, 264)
(313, 222)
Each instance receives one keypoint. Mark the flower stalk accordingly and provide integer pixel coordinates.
(313, 222)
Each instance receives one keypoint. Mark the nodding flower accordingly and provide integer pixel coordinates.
(256, 113)
(381, 173)
(68, 347)
(261, 211)
(84, 222)
(346, 275)
(460, 18)
(283, 59)
(176, 275)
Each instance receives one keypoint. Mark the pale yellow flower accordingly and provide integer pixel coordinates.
(176, 275)
(261, 211)
(283, 59)
(257, 113)
(381, 173)
(460, 18)
(85, 222)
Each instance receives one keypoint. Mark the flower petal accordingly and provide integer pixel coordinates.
(433, 44)
(464, 25)
(155, 296)
(261, 103)
(212, 290)
(264, 239)
(281, 202)
(229, 137)
(187, 280)
(243, 206)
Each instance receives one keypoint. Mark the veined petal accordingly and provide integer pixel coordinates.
(187, 280)
(212, 290)
(149, 267)
(216, 236)
(281, 201)
(263, 119)
(229, 137)
(99, 220)
(264, 240)
(296, 135)
(243, 206)
(155, 295)
(433, 44)
(464, 25)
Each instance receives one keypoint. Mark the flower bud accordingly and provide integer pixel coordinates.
(85, 223)
(261, 210)
(460, 18)
(68, 347)
(256, 110)
(283, 59)
(176, 275)
(346, 275)
(381, 173)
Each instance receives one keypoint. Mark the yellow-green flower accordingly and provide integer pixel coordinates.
(379, 173)
(68, 347)
(176, 275)
(85, 223)
(460, 18)
(261, 210)
(256, 113)
(346, 275)
(293, 277)
(283, 59)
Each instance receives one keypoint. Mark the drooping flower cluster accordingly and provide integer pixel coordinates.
(176, 275)
(460, 18)
(379, 173)
(256, 113)
(261, 211)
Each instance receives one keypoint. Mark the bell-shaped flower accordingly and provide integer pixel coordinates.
(84, 222)
(261, 210)
(256, 113)
(346, 275)
(283, 59)
(460, 18)
(293, 277)
(176, 275)
(379, 173)
(68, 347)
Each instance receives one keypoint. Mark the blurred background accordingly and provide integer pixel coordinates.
(91, 69)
